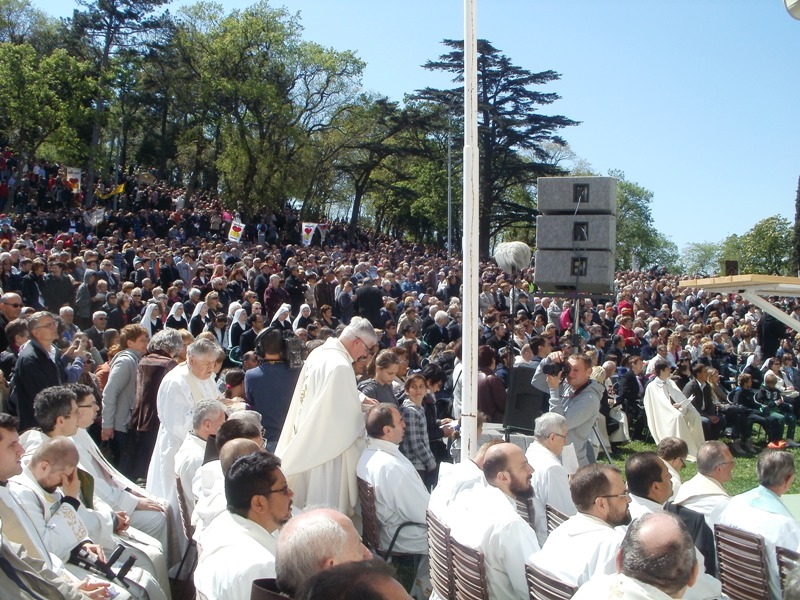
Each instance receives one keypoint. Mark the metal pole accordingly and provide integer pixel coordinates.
(449, 185)
(470, 244)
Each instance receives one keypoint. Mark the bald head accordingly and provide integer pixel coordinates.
(316, 539)
(236, 449)
(480, 457)
(59, 452)
(658, 550)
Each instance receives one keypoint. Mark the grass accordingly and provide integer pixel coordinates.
(744, 472)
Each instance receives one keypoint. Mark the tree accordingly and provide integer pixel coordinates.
(42, 97)
(766, 247)
(701, 257)
(509, 127)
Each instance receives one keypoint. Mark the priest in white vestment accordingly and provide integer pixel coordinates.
(704, 493)
(550, 479)
(240, 544)
(323, 436)
(181, 390)
(670, 413)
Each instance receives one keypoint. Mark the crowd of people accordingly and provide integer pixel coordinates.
(168, 392)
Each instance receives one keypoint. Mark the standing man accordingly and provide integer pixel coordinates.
(576, 396)
(323, 435)
(369, 302)
(39, 366)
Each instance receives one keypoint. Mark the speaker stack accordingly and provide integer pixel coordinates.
(576, 234)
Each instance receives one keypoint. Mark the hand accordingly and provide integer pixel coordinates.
(70, 484)
(122, 521)
(107, 433)
(148, 504)
(553, 381)
(556, 356)
(369, 402)
(95, 549)
(96, 590)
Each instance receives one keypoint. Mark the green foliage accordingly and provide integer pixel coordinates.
(702, 258)
(795, 266)
(43, 97)
(766, 247)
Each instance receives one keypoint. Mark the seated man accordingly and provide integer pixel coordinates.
(673, 451)
(762, 512)
(314, 540)
(704, 493)
(457, 479)
(486, 518)
(400, 495)
(56, 410)
(208, 418)
(366, 579)
(586, 544)
(61, 516)
(656, 560)
(550, 479)
(145, 512)
(209, 481)
(239, 546)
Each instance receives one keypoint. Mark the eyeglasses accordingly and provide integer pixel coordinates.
(51, 325)
(284, 490)
(559, 435)
(87, 405)
(15, 304)
(625, 494)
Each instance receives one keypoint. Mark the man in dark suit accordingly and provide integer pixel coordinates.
(369, 301)
(10, 309)
(95, 332)
(35, 369)
(630, 395)
(437, 333)
(700, 389)
(248, 340)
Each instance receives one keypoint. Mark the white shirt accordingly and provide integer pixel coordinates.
(188, 460)
(453, 480)
(580, 548)
(619, 586)
(208, 488)
(400, 495)
(486, 519)
(550, 480)
(235, 552)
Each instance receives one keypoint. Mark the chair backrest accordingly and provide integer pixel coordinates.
(543, 586)
(186, 516)
(554, 518)
(440, 556)
(742, 561)
(788, 560)
(469, 572)
(369, 514)
(525, 510)
(265, 589)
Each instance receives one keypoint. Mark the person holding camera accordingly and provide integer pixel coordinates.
(574, 395)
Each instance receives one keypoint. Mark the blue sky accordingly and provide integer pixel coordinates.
(696, 100)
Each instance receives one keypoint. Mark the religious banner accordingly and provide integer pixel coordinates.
(93, 218)
(308, 233)
(235, 233)
(323, 231)
(74, 179)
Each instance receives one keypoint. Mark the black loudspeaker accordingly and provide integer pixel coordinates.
(731, 268)
(524, 403)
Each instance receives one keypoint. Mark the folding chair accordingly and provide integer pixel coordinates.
(440, 557)
(543, 586)
(788, 560)
(525, 510)
(469, 572)
(554, 518)
(188, 531)
(742, 560)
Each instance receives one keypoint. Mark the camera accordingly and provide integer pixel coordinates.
(556, 369)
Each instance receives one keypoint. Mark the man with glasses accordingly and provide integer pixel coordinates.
(586, 544)
(550, 478)
(323, 435)
(39, 366)
(95, 332)
(240, 544)
(10, 309)
(704, 493)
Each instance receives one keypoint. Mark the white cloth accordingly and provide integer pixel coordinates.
(486, 519)
(619, 586)
(400, 496)
(454, 480)
(208, 488)
(550, 480)
(704, 495)
(178, 395)
(665, 420)
(188, 460)
(148, 321)
(113, 488)
(761, 511)
(235, 552)
(324, 432)
(676, 479)
(580, 548)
